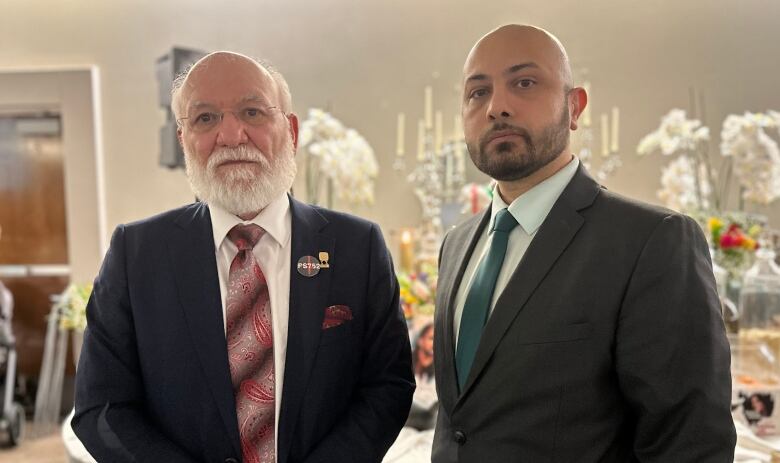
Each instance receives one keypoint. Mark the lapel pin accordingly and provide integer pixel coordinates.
(308, 266)
(324, 257)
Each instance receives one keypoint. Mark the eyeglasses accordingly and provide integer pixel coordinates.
(204, 120)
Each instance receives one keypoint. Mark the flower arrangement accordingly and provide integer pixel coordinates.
(339, 155)
(676, 134)
(72, 306)
(755, 155)
(692, 182)
(734, 242)
(418, 291)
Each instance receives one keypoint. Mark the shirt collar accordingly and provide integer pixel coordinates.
(531, 208)
(274, 219)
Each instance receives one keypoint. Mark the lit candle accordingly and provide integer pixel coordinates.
(586, 112)
(420, 140)
(604, 135)
(438, 131)
(407, 251)
(428, 107)
(399, 142)
(615, 129)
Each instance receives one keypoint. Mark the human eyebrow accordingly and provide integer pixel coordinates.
(200, 106)
(520, 67)
(255, 99)
(476, 77)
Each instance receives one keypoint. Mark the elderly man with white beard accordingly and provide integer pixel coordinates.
(248, 326)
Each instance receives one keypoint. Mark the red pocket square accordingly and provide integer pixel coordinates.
(335, 315)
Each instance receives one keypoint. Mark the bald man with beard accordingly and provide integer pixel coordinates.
(572, 324)
(248, 326)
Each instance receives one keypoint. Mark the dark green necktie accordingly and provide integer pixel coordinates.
(477, 306)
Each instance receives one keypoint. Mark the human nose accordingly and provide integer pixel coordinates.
(231, 131)
(498, 106)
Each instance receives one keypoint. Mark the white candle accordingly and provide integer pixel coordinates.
(615, 129)
(438, 132)
(457, 139)
(399, 142)
(586, 112)
(604, 135)
(448, 173)
(421, 140)
(428, 107)
(460, 160)
(407, 251)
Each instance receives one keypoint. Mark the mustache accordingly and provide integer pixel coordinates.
(239, 153)
(504, 128)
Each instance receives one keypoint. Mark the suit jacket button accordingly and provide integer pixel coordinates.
(460, 437)
(231, 460)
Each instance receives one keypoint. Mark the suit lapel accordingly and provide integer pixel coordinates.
(459, 250)
(197, 282)
(553, 237)
(308, 300)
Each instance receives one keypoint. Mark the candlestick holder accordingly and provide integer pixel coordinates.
(608, 128)
(436, 179)
(608, 163)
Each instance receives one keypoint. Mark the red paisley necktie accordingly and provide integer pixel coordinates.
(250, 347)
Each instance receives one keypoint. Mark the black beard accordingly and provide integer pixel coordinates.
(509, 161)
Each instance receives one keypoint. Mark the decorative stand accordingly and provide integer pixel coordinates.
(438, 175)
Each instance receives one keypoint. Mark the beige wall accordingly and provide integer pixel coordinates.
(368, 60)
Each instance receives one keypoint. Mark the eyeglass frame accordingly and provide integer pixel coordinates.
(221, 116)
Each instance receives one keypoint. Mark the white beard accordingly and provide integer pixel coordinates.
(241, 189)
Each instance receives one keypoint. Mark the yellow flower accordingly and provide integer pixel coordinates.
(714, 223)
(749, 244)
(754, 230)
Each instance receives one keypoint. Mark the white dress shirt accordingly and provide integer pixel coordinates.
(272, 253)
(529, 209)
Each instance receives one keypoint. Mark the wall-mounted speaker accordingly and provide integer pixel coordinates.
(167, 68)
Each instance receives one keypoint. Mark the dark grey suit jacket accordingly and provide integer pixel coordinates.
(607, 344)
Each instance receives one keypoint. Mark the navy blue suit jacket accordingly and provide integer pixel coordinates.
(153, 382)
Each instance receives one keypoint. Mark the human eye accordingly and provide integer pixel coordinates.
(205, 119)
(252, 114)
(525, 83)
(477, 93)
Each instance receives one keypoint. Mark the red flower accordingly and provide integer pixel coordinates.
(727, 241)
(733, 238)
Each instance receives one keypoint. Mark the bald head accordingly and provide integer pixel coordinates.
(542, 47)
(219, 61)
